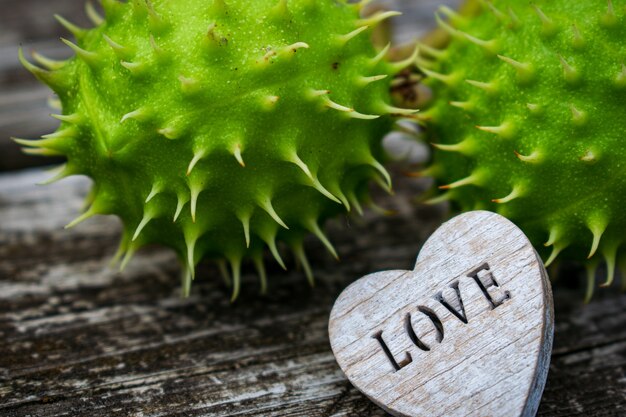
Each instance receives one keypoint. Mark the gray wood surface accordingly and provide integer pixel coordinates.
(78, 339)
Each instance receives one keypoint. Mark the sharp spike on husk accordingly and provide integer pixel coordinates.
(449, 79)
(295, 159)
(377, 18)
(180, 204)
(147, 217)
(195, 191)
(472, 179)
(169, 132)
(319, 187)
(314, 94)
(349, 36)
(446, 27)
(91, 58)
(139, 115)
(186, 279)
(556, 250)
(224, 272)
(53, 79)
(361, 116)
(517, 192)
(237, 155)
(260, 268)
(489, 87)
(570, 73)
(460, 147)
(549, 28)
(59, 173)
(442, 198)
(189, 85)
(245, 222)
(74, 118)
(505, 130)
(314, 228)
(382, 171)
(128, 257)
(620, 80)
(525, 71)
(381, 55)
(364, 81)
(496, 12)
(454, 17)
(533, 158)
(235, 266)
(597, 229)
(354, 201)
(300, 254)
(156, 189)
(610, 18)
(578, 41)
(50, 64)
(515, 22)
(610, 256)
(405, 63)
(293, 48)
(535, 109)
(135, 68)
(591, 269)
(464, 105)
(433, 52)
(78, 32)
(120, 51)
(266, 204)
(191, 262)
(93, 14)
(555, 235)
(490, 46)
(271, 243)
(386, 108)
(331, 104)
(86, 215)
(194, 161)
(579, 117)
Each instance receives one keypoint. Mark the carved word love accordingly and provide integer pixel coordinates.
(483, 278)
(467, 332)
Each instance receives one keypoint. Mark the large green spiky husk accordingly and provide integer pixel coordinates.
(218, 128)
(529, 121)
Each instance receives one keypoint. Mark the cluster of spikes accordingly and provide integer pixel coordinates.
(527, 121)
(155, 121)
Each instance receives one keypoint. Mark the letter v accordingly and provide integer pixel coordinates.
(460, 313)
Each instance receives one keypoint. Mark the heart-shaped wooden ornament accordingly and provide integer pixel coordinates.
(468, 332)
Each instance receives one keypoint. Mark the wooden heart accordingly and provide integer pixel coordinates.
(468, 332)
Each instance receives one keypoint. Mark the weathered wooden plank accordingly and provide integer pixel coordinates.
(77, 336)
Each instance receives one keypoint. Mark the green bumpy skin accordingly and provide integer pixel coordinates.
(218, 128)
(529, 119)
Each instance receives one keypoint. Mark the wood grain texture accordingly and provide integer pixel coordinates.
(77, 338)
(468, 331)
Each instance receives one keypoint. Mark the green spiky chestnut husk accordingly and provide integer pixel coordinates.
(218, 128)
(529, 121)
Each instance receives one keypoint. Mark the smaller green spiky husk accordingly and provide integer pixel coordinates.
(221, 128)
(528, 121)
